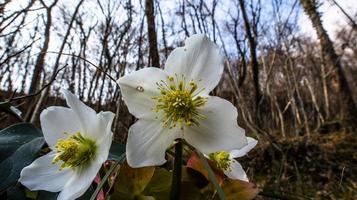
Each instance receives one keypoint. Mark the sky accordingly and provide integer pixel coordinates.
(333, 18)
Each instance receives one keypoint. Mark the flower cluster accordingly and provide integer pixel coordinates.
(173, 103)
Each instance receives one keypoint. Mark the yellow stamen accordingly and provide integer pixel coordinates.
(179, 102)
(74, 151)
(222, 159)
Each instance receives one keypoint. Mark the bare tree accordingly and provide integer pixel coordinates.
(41, 56)
(249, 29)
(331, 59)
(150, 19)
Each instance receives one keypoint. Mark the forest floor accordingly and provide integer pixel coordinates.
(323, 166)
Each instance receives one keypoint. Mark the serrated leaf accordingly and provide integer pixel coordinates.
(12, 137)
(11, 167)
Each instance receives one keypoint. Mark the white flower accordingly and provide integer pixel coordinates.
(226, 160)
(79, 140)
(175, 103)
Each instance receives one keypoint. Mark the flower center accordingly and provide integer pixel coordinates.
(179, 102)
(222, 159)
(74, 151)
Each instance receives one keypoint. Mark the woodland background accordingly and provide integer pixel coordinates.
(295, 92)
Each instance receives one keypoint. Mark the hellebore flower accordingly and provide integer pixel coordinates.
(79, 140)
(175, 103)
(226, 160)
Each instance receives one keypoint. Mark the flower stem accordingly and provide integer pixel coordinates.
(106, 177)
(177, 172)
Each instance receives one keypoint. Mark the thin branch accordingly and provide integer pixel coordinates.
(38, 92)
(99, 68)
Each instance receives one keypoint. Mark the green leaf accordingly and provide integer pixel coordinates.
(116, 150)
(11, 167)
(142, 197)
(19, 146)
(13, 137)
(160, 181)
(132, 181)
(15, 193)
(159, 185)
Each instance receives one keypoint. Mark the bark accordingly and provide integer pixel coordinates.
(252, 47)
(150, 19)
(35, 81)
(331, 60)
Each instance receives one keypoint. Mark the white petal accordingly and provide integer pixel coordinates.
(86, 115)
(219, 131)
(43, 175)
(92, 124)
(105, 139)
(138, 88)
(236, 172)
(147, 143)
(243, 151)
(198, 60)
(78, 184)
(56, 121)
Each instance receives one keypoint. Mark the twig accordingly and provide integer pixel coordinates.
(18, 53)
(39, 92)
(99, 68)
(343, 170)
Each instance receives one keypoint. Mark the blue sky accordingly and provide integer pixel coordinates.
(333, 19)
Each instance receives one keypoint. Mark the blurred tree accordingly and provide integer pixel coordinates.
(150, 19)
(331, 60)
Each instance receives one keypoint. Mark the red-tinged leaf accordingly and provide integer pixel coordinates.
(195, 163)
(237, 189)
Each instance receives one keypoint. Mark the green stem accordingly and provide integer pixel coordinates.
(212, 176)
(106, 177)
(177, 172)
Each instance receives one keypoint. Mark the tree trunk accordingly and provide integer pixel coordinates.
(40, 61)
(252, 48)
(150, 19)
(41, 57)
(337, 78)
